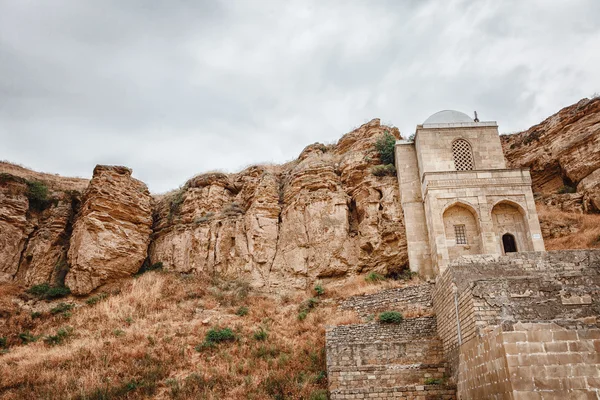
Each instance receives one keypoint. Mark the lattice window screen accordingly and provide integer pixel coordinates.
(461, 234)
(463, 157)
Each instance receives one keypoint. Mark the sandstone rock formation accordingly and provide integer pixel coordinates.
(563, 152)
(320, 217)
(112, 231)
(33, 237)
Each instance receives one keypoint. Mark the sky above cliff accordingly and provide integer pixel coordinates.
(175, 88)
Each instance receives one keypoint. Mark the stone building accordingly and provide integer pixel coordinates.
(458, 197)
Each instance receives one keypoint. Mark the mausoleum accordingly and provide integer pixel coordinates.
(458, 197)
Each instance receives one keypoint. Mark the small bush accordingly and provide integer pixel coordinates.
(215, 336)
(260, 335)
(385, 147)
(95, 299)
(374, 277)
(384, 170)
(302, 315)
(2, 342)
(47, 292)
(61, 308)
(433, 381)
(36, 314)
(319, 290)
(242, 311)
(37, 194)
(118, 332)
(61, 335)
(390, 317)
(27, 337)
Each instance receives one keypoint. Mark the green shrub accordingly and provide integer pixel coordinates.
(47, 292)
(61, 308)
(390, 317)
(374, 277)
(433, 381)
(242, 311)
(37, 194)
(215, 336)
(95, 299)
(384, 170)
(36, 314)
(319, 290)
(118, 332)
(2, 342)
(26, 337)
(61, 335)
(261, 335)
(266, 352)
(385, 147)
(412, 137)
(302, 315)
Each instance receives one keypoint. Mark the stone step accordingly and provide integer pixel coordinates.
(409, 392)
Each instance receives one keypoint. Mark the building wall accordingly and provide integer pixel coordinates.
(419, 251)
(533, 286)
(481, 192)
(434, 147)
(531, 361)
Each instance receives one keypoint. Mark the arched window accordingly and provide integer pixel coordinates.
(463, 156)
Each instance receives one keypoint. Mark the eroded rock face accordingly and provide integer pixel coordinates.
(562, 151)
(33, 240)
(112, 230)
(321, 217)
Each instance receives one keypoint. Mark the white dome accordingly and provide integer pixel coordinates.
(448, 117)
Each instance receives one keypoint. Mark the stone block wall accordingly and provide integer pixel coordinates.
(404, 299)
(375, 360)
(531, 361)
(547, 286)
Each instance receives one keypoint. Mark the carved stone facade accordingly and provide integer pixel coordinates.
(458, 197)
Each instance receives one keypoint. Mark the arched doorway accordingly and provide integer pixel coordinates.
(511, 228)
(461, 228)
(508, 243)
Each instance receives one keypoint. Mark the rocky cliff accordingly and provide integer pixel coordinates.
(323, 216)
(35, 224)
(563, 153)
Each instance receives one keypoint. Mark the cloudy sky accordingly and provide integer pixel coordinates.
(174, 88)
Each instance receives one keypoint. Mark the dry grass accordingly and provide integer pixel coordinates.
(565, 230)
(358, 285)
(141, 343)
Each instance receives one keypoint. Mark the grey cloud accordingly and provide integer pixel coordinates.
(172, 89)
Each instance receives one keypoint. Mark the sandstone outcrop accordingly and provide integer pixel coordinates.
(112, 230)
(34, 232)
(563, 152)
(321, 217)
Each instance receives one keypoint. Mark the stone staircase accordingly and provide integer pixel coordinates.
(399, 361)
